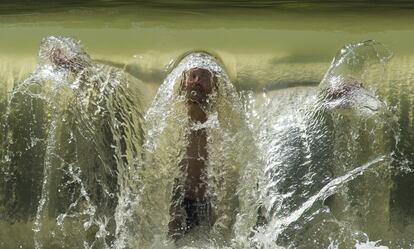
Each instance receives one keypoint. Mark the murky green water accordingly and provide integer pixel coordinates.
(282, 49)
(260, 46)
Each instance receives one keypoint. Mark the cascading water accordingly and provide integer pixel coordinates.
(327, 180)
(85, 165)
(66, 147)
(232, 156)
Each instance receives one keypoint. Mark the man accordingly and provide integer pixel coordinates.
(197, 85)
(75, 126)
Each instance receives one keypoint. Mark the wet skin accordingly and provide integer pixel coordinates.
(344, 88)
(64, 53)
(197, 85)
(61, 60)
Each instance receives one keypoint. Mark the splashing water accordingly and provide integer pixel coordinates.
(79, 143)
(231, 156)
(323, 142)
(303, 167)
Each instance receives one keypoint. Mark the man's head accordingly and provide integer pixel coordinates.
(349, 93)
(64, 53)
(198, 84)
(341, 87)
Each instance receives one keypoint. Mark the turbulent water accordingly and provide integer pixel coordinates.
(328, 163)
(90, 149)
(68, 136)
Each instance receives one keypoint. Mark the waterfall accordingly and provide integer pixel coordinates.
(88, 162)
